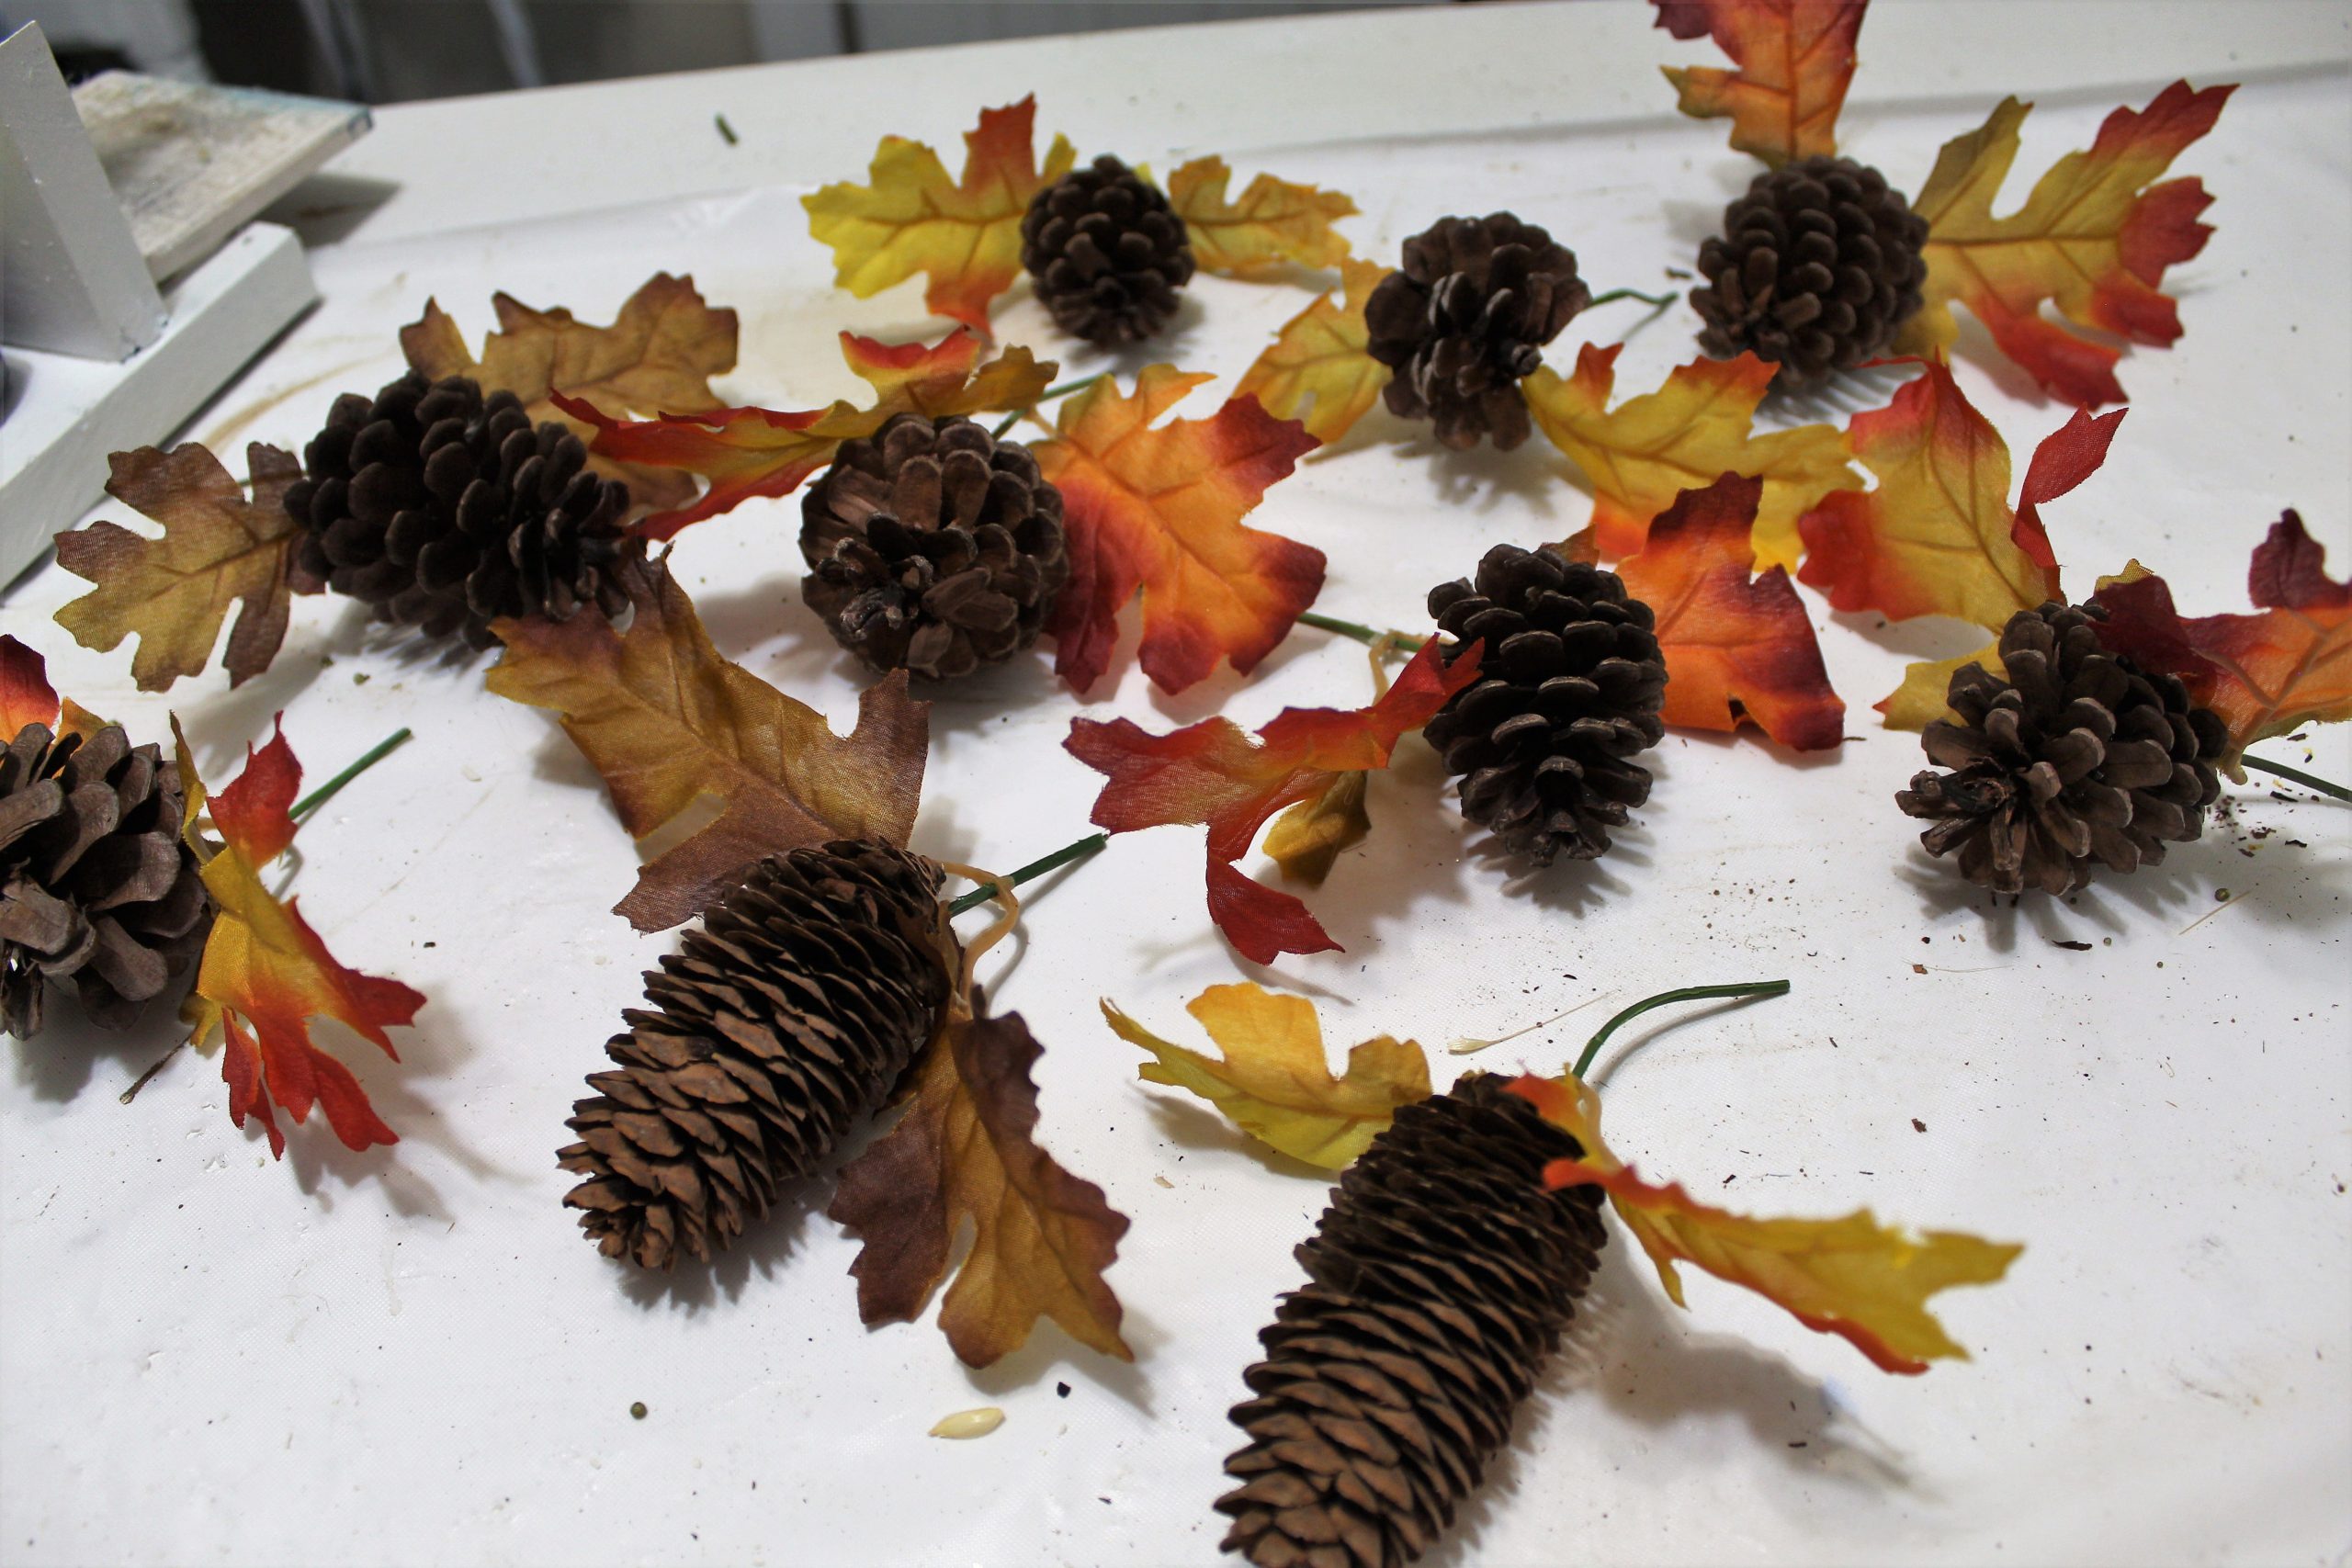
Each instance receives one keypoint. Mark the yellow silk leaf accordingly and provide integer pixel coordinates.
(1306, 838)
(1920, 701)
(1273, 223)
(1320, 362)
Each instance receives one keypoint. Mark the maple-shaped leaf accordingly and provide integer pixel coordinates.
(1648, 449)
(220, 548)
(1275, 1082)
(1160, 508)
(1850, 1277)
(2265, 674)
(26, 696)
(1923, 696)
(1319, 361)
(1938, 536)
(748, 452)
(1212, 772)
(964, 236)
(1274, 223)
(668, 722)
(657, 357)
(2094, 240)
(966, 1149)
(1736, 644)
(1795, 58)
(265, 973)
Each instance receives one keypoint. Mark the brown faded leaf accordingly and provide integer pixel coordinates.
(667, 721)
(220, 548)
(964, 1150)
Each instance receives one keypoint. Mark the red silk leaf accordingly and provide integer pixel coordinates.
(1795, 58)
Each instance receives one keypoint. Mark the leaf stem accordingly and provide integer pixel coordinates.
(2299, 777)
(1655, 302)
(1093, 844)
(1360, 632)
(1047, 396)
(1687, 994)
(325, 792)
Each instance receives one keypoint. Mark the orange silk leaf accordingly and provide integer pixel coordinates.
(1795, 58)
(26, 696)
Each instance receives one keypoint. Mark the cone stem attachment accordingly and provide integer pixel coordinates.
(1048, 395)
(1091, 845)
(2336, 790)
(1655, 302)
(325, 792)
(1687, 994)
(1360, 632)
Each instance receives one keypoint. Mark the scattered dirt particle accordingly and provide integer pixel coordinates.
(1917, 1125)
(637, 1411)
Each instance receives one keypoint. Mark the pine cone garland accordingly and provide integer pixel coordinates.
(1465, 318)
(778, 1026)
(1439, 1281)
(2077, 755)
(95, 884)
(1569, 688)
(445, 510)
(1818, 268)
(932, 547)
(1107, 252)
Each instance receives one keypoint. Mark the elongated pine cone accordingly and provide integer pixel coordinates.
(777, 1027)
(2077, 755)
(1107, 252)
(932, 547)
(445, 510)
(1818, 268)
(1438, 1282)
(95, 884)
(1569, 688)
(1465, 318)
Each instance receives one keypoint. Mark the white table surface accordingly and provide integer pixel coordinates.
(411, 1355)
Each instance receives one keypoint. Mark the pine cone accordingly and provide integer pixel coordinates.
(95, 884)
(932, 547)
(1107, 252)
(444, 509)
(781, 1024)
(1818, 268)
(2078, 756)
(1438, 1282)
(1568, 690)
(1467, 318)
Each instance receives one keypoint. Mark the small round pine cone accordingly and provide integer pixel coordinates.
(2075, 755)
(1818, 268)
(932, 547)
(1570, 689)
(1107, 252)
(445, 510)
(97, 886)
(1465, 318)
(777, 1027)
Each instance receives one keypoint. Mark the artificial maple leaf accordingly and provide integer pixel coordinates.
(1923, 696)
(1274, 223)
(1160, 508)
(1212, 772)
(1850, 1277)
(2265, 674)
(965, 237)
(2094, 240)
(657, 357)
(265, 973)
(667, 721)
(1648, 449)
(1795, 58)
(747, 452)
(1736, 644)
(1274, 1083)
(220, 548)
(1319, 361)
(965, 1150)
(26, 696)
(1937, 536)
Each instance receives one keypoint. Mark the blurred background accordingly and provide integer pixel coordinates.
(382, 52)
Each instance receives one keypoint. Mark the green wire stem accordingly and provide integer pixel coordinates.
(1359, 631)
(325, 792)
(2299, 777)
(1089, 846)
(1655, 301)
(1687, 994)
(1047, 396)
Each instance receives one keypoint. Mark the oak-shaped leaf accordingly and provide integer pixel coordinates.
(1320, 363)
(264, 973)
(1274, 223)
(2092, 239)
(1273, 1081)
(965, 1150)
(1214, 773)
(1795, 59)
(221, 546)
(1851, 1277)
(1159, 507)
(669, 722)
(964, 236)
